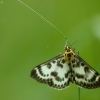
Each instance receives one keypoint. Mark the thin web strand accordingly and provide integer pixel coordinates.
(42, 18)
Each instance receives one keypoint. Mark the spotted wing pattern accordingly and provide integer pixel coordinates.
(54, 72)
(63, 69)
(84, 75)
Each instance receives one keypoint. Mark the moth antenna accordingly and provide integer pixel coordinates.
(67, 43)
(42, 18)
(74, 42)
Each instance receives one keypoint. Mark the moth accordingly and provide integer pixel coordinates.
(64, 69)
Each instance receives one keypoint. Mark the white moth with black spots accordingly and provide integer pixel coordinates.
(64, 69)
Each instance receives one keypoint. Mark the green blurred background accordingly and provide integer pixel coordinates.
(24, 38)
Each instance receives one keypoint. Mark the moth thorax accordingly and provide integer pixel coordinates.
(69, 56)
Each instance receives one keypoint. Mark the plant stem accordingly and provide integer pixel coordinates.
(78, 93)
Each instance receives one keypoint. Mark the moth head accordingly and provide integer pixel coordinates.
(68, 49)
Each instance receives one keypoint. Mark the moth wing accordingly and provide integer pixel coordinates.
(55, 73)
(84, 75)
